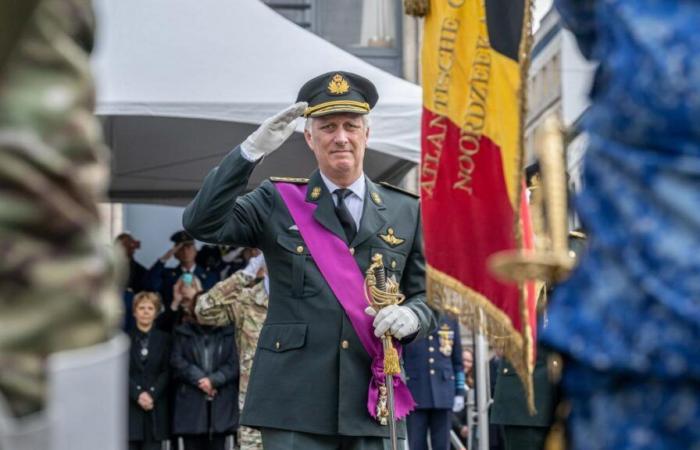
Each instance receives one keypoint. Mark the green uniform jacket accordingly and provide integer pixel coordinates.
(509, 403)
(310, 372)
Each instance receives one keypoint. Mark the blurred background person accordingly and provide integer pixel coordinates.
(240, 300)
(136, 276)
(57, 280)
(520, 429)
(627, 320)
(460, 423)
(149, 375)
(136, 280)
(205, 372)
(435, 377)
(162, 279)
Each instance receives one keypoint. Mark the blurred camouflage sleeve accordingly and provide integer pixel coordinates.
(14, 16)
(219, 305)
(57, 288)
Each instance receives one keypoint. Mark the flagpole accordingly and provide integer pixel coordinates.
(483, 388)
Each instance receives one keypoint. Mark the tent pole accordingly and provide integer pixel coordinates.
(483, 394)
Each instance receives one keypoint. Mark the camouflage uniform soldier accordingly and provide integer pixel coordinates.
(57, 289)
(242, 300)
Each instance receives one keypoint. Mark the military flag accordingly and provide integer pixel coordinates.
(471, 169)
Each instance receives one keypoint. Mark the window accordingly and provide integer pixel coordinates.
(369, 29)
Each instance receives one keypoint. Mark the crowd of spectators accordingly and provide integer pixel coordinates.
(183, 373)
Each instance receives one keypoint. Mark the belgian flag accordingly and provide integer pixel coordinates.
(474, 61)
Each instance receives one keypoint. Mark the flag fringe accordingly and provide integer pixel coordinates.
(448, 294)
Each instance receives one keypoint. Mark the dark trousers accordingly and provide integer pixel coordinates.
(524, 438)
(202, 441)
(274, 439)
(437, 421)
(145, 445)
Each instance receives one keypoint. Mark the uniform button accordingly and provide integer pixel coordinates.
(505, 370)
(431, 349)
(430, 338)
(431, 360)
(300, 249)
(352, 250)
(345, 344)
(277, 345)
(393, 264)
(432, 371)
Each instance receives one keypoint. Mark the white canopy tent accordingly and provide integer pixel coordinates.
(181, 82)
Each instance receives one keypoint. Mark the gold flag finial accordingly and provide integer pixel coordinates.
(553, 263)
(417, 8)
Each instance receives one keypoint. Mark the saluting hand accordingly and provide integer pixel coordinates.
(273, 132)
(170, 253)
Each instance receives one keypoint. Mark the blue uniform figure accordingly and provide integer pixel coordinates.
(627, 321)
(435, 376)
(162, 279)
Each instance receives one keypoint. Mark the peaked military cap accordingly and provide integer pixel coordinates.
(338, 92)
(181, 236)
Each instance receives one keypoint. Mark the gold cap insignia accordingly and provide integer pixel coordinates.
(390, 238)
(338, 85)
(376, 198)
(315, 193)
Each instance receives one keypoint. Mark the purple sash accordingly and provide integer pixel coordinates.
(343, 275)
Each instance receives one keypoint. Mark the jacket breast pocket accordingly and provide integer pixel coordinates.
(282, 337)
(302, 266)
(394, 262)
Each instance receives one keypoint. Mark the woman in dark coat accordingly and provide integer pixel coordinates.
(149, 372)
(205, 369)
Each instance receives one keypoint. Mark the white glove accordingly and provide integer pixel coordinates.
(254, 265)
(399, 321)
(272, 132)
(458, 404)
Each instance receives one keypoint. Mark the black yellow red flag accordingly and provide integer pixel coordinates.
(474, 61)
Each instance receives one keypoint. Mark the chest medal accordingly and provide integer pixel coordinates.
(447, 337)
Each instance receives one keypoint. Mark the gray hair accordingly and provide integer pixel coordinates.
(365, 121)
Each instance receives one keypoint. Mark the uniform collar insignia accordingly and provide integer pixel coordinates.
(315, 193)
(390, 238)
(376, 198)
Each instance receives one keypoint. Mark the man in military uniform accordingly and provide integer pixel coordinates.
(240, 300)
(57, 280)
(317, 378)
(522, 430)
(435, 376)
(162, 279)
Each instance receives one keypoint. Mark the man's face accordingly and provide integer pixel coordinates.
(186, 253)
(338, 142)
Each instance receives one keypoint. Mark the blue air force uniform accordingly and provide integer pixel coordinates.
(435, 376)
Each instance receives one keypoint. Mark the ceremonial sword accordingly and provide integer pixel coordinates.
(387, 296)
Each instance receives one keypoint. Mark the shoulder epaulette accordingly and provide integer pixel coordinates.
(396, 188)
(290, 180)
